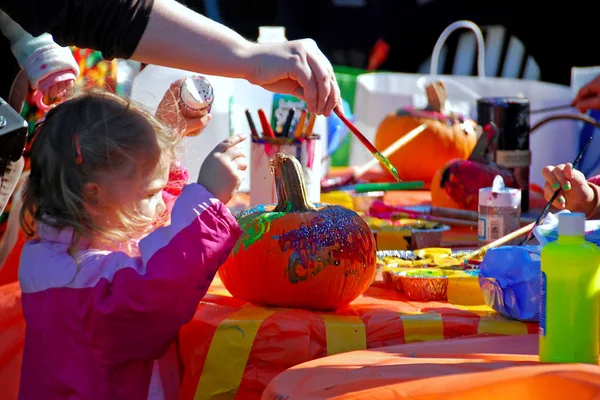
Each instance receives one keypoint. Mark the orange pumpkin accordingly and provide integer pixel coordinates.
(457, 184)
(447, 136)
(296, 254)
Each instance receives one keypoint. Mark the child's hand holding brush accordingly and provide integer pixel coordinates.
(577, 195)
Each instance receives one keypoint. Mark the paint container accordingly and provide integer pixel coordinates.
(197, 96)
(308, 151)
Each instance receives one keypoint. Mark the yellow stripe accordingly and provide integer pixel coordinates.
(228, 353)
(422, 327)
(502, 326)
(344, 333)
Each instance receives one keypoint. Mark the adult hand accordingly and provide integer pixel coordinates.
(588, 97)
(170, 111)
(298, 68)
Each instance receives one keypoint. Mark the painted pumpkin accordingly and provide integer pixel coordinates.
(296, 254)
(447, 136)
(457, 184)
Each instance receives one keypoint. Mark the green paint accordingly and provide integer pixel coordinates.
(386, 163)
(255, 223)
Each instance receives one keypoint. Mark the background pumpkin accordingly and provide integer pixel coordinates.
(448, 136)
(296, 254)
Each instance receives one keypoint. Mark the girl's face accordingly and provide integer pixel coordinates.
(138, 190)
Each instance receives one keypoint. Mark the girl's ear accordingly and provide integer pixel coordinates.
(91, 192)
(91, 196)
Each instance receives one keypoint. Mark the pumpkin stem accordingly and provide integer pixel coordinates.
(290, 184)
(436, 97)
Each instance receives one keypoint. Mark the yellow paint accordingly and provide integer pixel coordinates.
(501, 326)
(422, 327)
(464, 289)
(344, 333)
(228, 353)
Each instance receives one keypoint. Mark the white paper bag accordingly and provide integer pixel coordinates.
(379, 94)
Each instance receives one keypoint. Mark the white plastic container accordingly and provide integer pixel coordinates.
(307, 151)
(271, 34)
(499, 211)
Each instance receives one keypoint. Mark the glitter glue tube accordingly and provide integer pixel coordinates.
(569, 329)
(197, 96)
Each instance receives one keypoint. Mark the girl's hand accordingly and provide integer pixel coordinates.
(222, 172)
(588, 96)
(170, 111)
(299, 68)
(576, 195)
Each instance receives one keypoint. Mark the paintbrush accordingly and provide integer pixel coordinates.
(552, 108)
(496, 243)
(556, 194)
(300, 125)
(382, 159)
(264, 122)
(253, 130)
(311, 125)
(288, 123)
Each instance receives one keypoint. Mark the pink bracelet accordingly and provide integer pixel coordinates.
(39, 101)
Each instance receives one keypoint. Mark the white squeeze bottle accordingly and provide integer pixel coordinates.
(271, 34)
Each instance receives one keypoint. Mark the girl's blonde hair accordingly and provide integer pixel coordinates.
(91, 134)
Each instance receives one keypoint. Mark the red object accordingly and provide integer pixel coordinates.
(264, 122)
(378, 55)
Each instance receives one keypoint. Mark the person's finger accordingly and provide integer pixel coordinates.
(230, 142)
(241, 163)
(548, 174)
(549, 192)
(302, 73)
(52, 91)
(322, 76)
(590, 89)
(194, 126)
(588, 103)
(334, 97)
(574, 176)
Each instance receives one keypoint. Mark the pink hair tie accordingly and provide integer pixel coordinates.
(39, 101)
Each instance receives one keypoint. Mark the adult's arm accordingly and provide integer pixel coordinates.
(112, 26)
(164, 32)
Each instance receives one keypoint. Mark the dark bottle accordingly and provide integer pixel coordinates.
(510, 115)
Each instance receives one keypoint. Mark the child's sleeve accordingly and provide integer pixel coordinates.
(140, 311)
(44, 61)
(594, 182)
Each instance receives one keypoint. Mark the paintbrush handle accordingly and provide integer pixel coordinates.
(432, 218)
(300, 125)
(552, 108)
(397, 145)
(499, 242)
(356, 132)
(251, 124)
(264, 122)
(311, 125)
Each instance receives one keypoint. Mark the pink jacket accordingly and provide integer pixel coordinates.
(94, 329)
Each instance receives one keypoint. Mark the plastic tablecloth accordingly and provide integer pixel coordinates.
(232, 349)
(466, 369)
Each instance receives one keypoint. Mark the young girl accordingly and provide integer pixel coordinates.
(102, 311)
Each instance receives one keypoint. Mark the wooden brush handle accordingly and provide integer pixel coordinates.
(497, 243)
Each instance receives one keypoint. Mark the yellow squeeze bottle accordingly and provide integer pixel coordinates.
(569, 330)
